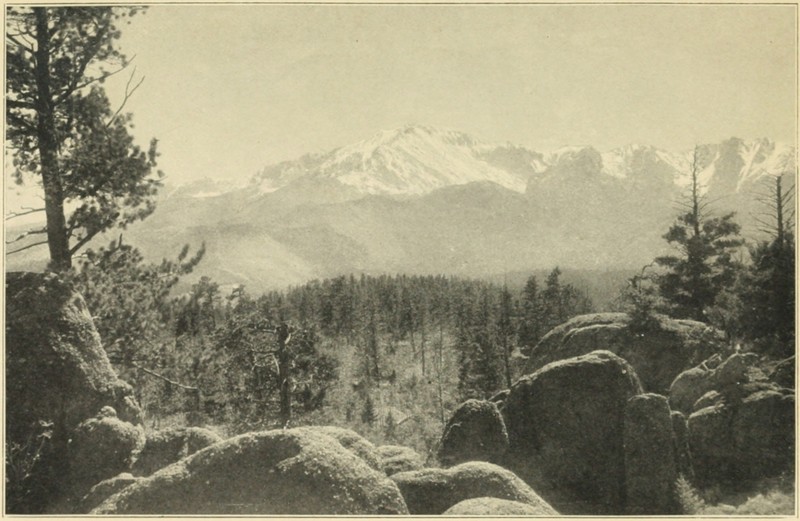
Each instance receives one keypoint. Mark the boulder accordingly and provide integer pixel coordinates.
(104, 490)
(680, 444)
(475, 432)
(764, 434)
(711, 443)
(650, 466)
(744, 441)
(710, 399)
(57, 375)
(783, 373)
(100, 448)
(734, 370)
(434, 491)
(396, 458)
(492, 506)
(688, 387)
(280, 472)
(565, 425)
(658, 355)
(353, 442)
(736, 376)
(167, 446)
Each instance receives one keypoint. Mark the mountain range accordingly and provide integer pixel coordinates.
(423, 200)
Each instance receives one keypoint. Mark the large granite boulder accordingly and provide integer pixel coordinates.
(351, 441)
(104, 490)
(658, 354)
(101, 447)
(396, 458)
(565, 426)
(281, 472)
(744, 439)
(433, 491)
(650, 460)
(57, 375)
(475, 432)
(493, 507)
(709, 384)
(165, 447)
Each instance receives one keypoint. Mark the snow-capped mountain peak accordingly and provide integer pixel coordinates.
(411, 160)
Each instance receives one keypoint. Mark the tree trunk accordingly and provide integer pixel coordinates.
(60, 258)
(284, 376)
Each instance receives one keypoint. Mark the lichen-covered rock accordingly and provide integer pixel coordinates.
(680, 444)
(492, 506)
(353, 442)
(783, 373)
(650, 467)
(743, 440)
(58, 375)
(165, 447)
(100, 448)
(104, 490)
(281, 472)
(396, 458)
(658, 355)
(565, 425)
(434, 491)
(475, 432)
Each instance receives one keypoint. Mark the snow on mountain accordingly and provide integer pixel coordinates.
(411, 160)
(419, 159)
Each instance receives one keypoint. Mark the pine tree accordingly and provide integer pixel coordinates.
(63, 131)
(766, 287)
(705, 261)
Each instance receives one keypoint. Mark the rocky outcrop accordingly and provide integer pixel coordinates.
(104, 490)
(351, 441)
(57, 375)
(433, 491)
(783, 373)
(475, 432)
(680, 444)
(396, 458)
(100, 448)
(745, 439)
(492, 506)
(658, 354)
(650, 460)
(565, 425)
(727, 378)
(165, 447)
(281, 472)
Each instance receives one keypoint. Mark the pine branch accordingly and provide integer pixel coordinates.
(164, 378)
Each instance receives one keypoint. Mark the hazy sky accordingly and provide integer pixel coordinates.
(230, 89)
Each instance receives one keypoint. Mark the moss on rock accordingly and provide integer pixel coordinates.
(281, 472)
(434, 491)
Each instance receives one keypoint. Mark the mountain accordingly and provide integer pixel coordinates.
(422, 200)
(412, 160)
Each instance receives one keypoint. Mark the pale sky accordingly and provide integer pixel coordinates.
(230, 89)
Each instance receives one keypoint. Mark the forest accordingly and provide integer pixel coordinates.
(388, 356)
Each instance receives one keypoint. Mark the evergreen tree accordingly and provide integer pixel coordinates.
(532, 322)
(766, 287)
(63, 131)
(705, 261)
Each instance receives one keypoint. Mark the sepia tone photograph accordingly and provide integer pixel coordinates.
(356, 259)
